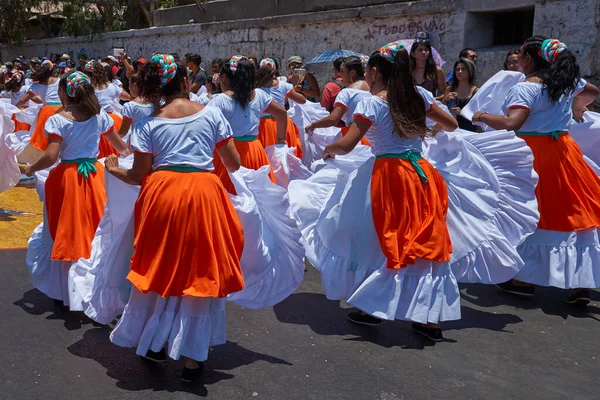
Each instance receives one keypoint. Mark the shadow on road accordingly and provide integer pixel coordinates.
(36, 303)
(134, 373)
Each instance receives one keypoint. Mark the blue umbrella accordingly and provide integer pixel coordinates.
(331, 56)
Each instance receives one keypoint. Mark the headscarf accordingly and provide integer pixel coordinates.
(551, 49)
(364, 60)
(89, 66)
(215, 79)
(267, 63)
(16, 75)
(390, 51)
(74, 80)
(167, 67)
(233, 63)
(48, 63)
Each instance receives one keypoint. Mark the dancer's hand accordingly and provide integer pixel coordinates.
(327, 154)
(25, 170)
(111, 163)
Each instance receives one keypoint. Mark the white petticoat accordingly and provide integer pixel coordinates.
(285, 165)
(47, 276)
(567, 260)
(190, 325)
(100, 281)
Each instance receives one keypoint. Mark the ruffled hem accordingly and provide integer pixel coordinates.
(498, 167)
(47, 276)
(190, 325)
(426, 292)
(9, 168)
(272, 259)
(285, 165)
(567, 260)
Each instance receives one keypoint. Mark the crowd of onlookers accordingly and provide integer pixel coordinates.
(454, 89)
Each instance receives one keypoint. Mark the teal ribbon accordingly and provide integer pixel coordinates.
(267, 116)
(554, 134)
(54, 104)
(86, 165)
(245, 138)
(413, 157)
(180, 168)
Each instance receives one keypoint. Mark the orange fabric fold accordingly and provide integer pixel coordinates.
(568, 191)
(188, 238)
(267, 134)
(74, 207)
(105, 147)
(20, 126)
(252, 156)
(363, 140)
(38, 137)
(409, 215)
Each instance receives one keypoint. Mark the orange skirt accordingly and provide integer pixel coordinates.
(105, 147)
(409, 215)
(74, 206)
(363, 140)
(568, 191)
(252, 156)
(267, 134)
(188, 238)
(20, 126)
(38, 138)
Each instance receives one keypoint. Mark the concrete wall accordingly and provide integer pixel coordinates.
(362, 29)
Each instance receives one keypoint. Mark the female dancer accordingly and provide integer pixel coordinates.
(74, 190)
(280, 92)
(461, 90)
(137, 108)
(242, 105)
(44, 91)
(392, 260)
(108, 95)
(180, 277)
(565, 249)
(212, 87)
(15, 85)
(352, 72)
(424, 70)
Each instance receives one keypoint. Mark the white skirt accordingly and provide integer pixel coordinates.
(285, 165)
(567, 260)
(101, 280)
(9, 168)
(189, 325)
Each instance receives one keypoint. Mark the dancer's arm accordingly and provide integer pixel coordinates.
(435, 113)
(331, 120)
(587, 96)
(512, 121)
(281, 118)
(345, 145)
(229, 156)
(113, 138)
(142, 166)
(46, 160)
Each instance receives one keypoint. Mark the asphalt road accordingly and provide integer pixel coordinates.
(304, 348)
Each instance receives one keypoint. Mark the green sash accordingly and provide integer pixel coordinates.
(554, 134)
(413, 157)
(246, 138)
(86, 165)
(180, 168)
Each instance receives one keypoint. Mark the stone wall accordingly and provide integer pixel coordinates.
(365, 29)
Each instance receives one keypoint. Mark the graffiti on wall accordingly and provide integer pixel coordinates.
(432, 24)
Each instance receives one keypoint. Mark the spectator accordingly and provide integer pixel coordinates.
(216, 65)
(461, 90)
(424, 69)
(83, 59)
(306, 84)
(197, 75)
(112, 61)
(512, 61)
(464, 53)
(334, 87)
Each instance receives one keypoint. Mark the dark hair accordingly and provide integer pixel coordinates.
(469, 66)
(12, 85)
(136, 78)
(407, 106)
(430, 65)
(354, 63)
(194, 57)
(263, 76)
(109, 73)
(42, 75)
(464, 53)
(85, 98)
(175, 57)
(560, 77)
(510, 53)
(98, 76)
(337, 64)
(218, 61)
(254, 60)
(150, 85)
(242, 81)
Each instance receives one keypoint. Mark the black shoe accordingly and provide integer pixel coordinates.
(191, 375)
(434, 334)
(159, 357)
(509, 287)
(363, 319)
(580, 298)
